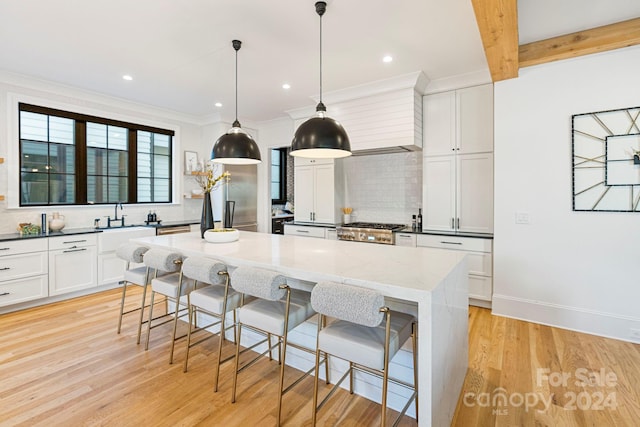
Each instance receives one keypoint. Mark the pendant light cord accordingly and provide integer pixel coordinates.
(320, 9)
(236, 85)
(320, 58)
(236, 46)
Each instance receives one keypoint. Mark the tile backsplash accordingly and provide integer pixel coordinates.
(384, 187)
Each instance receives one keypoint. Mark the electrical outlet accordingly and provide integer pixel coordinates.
(522, 218)
(634, 334)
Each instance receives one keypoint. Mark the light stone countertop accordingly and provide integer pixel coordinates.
(399, 272)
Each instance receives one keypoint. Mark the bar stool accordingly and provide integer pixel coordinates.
(131, 253)
(358, 336)
(172, 285)
(215, 300)
(275, 311)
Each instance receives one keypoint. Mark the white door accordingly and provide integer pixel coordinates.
(72, 269)
(475, 119)
(303, 193)
(439, 123)
(439, 199)
(475, 193)
(324, 211)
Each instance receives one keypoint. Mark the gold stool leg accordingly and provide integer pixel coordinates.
(269, 344)
(146, 345)
(415, 363)
(144, 297)
(191, 314)
(235, 369)
(124, 291)
(220, 341)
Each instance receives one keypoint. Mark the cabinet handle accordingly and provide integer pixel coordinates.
(4, 293)
(4, 249)
(310, 216)
(73, 241)
(450, 243)
(5, 268)
(453, 226)
(74, 250)
(404, 235)
(302, 231)
(458, 223)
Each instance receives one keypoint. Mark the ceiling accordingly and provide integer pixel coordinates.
(180, 56)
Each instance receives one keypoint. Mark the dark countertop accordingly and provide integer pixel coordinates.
(63, 232)
(312, 224)
(164, 224)
(446, 233)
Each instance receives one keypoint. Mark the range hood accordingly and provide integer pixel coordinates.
(381, 117)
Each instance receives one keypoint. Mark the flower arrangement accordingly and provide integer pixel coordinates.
(207, 179)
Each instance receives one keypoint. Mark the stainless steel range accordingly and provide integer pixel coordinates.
(369, 232)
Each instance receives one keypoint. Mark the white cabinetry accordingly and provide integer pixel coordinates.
(458, 160)
(479, 260)
(306, 231)
(23, 270)
(72, 263)
(110, 267)
(405, 239)
(317, 190)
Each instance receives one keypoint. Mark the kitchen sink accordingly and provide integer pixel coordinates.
(116, 227)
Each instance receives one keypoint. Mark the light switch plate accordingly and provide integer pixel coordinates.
(522, 218)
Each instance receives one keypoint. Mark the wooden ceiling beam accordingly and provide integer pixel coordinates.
(498, 24)
(594, 40)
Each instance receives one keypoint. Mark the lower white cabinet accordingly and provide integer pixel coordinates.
(23, 270)
(110, 267)
(72, 263)
(479, 260)
(405, 239)
(306, 231)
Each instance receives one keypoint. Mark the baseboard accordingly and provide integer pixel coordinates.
(572, 318)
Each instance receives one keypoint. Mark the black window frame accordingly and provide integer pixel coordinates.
(283, 176)
(80, 145)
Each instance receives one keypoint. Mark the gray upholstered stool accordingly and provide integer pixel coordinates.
(216, 300)
(276, 310)
(132, 253)
(359, 336)
(172, 285)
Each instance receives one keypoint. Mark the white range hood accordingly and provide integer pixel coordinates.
(379, 117)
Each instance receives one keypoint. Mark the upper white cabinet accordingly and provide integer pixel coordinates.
(459, 121)
(318, 190)
(458, 160)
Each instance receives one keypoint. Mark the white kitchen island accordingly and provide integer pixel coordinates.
(431, 281)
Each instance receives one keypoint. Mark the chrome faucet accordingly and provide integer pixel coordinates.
(121, 219)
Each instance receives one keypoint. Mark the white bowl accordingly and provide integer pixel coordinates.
(221, 235)
(196, 191)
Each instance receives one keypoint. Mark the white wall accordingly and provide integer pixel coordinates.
(576, 270)
(15, 88)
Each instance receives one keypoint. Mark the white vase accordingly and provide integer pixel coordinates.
(346, 218)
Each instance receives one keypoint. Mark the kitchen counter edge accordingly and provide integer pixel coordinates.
(70, 232)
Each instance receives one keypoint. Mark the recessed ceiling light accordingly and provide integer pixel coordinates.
(387, 58)
(127, 77)
(218, 104)
(286, 86)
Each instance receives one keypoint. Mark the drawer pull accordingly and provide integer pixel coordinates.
(75, 250)
(4, 293)
(302, 231)
(4, 249)
(450, 243)
(73, 241)
(5, 268)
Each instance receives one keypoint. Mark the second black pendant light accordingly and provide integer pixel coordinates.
(236, 147)
(321, 136)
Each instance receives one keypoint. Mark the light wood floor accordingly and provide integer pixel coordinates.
(64, 365)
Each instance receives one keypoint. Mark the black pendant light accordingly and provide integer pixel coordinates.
(236, 147)
(320, 136)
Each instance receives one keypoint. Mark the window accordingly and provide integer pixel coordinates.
(73, 159)
(278, 175)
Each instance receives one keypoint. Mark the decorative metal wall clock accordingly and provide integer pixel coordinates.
(606, 160)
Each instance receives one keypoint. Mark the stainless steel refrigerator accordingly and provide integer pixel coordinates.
(242, 189)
